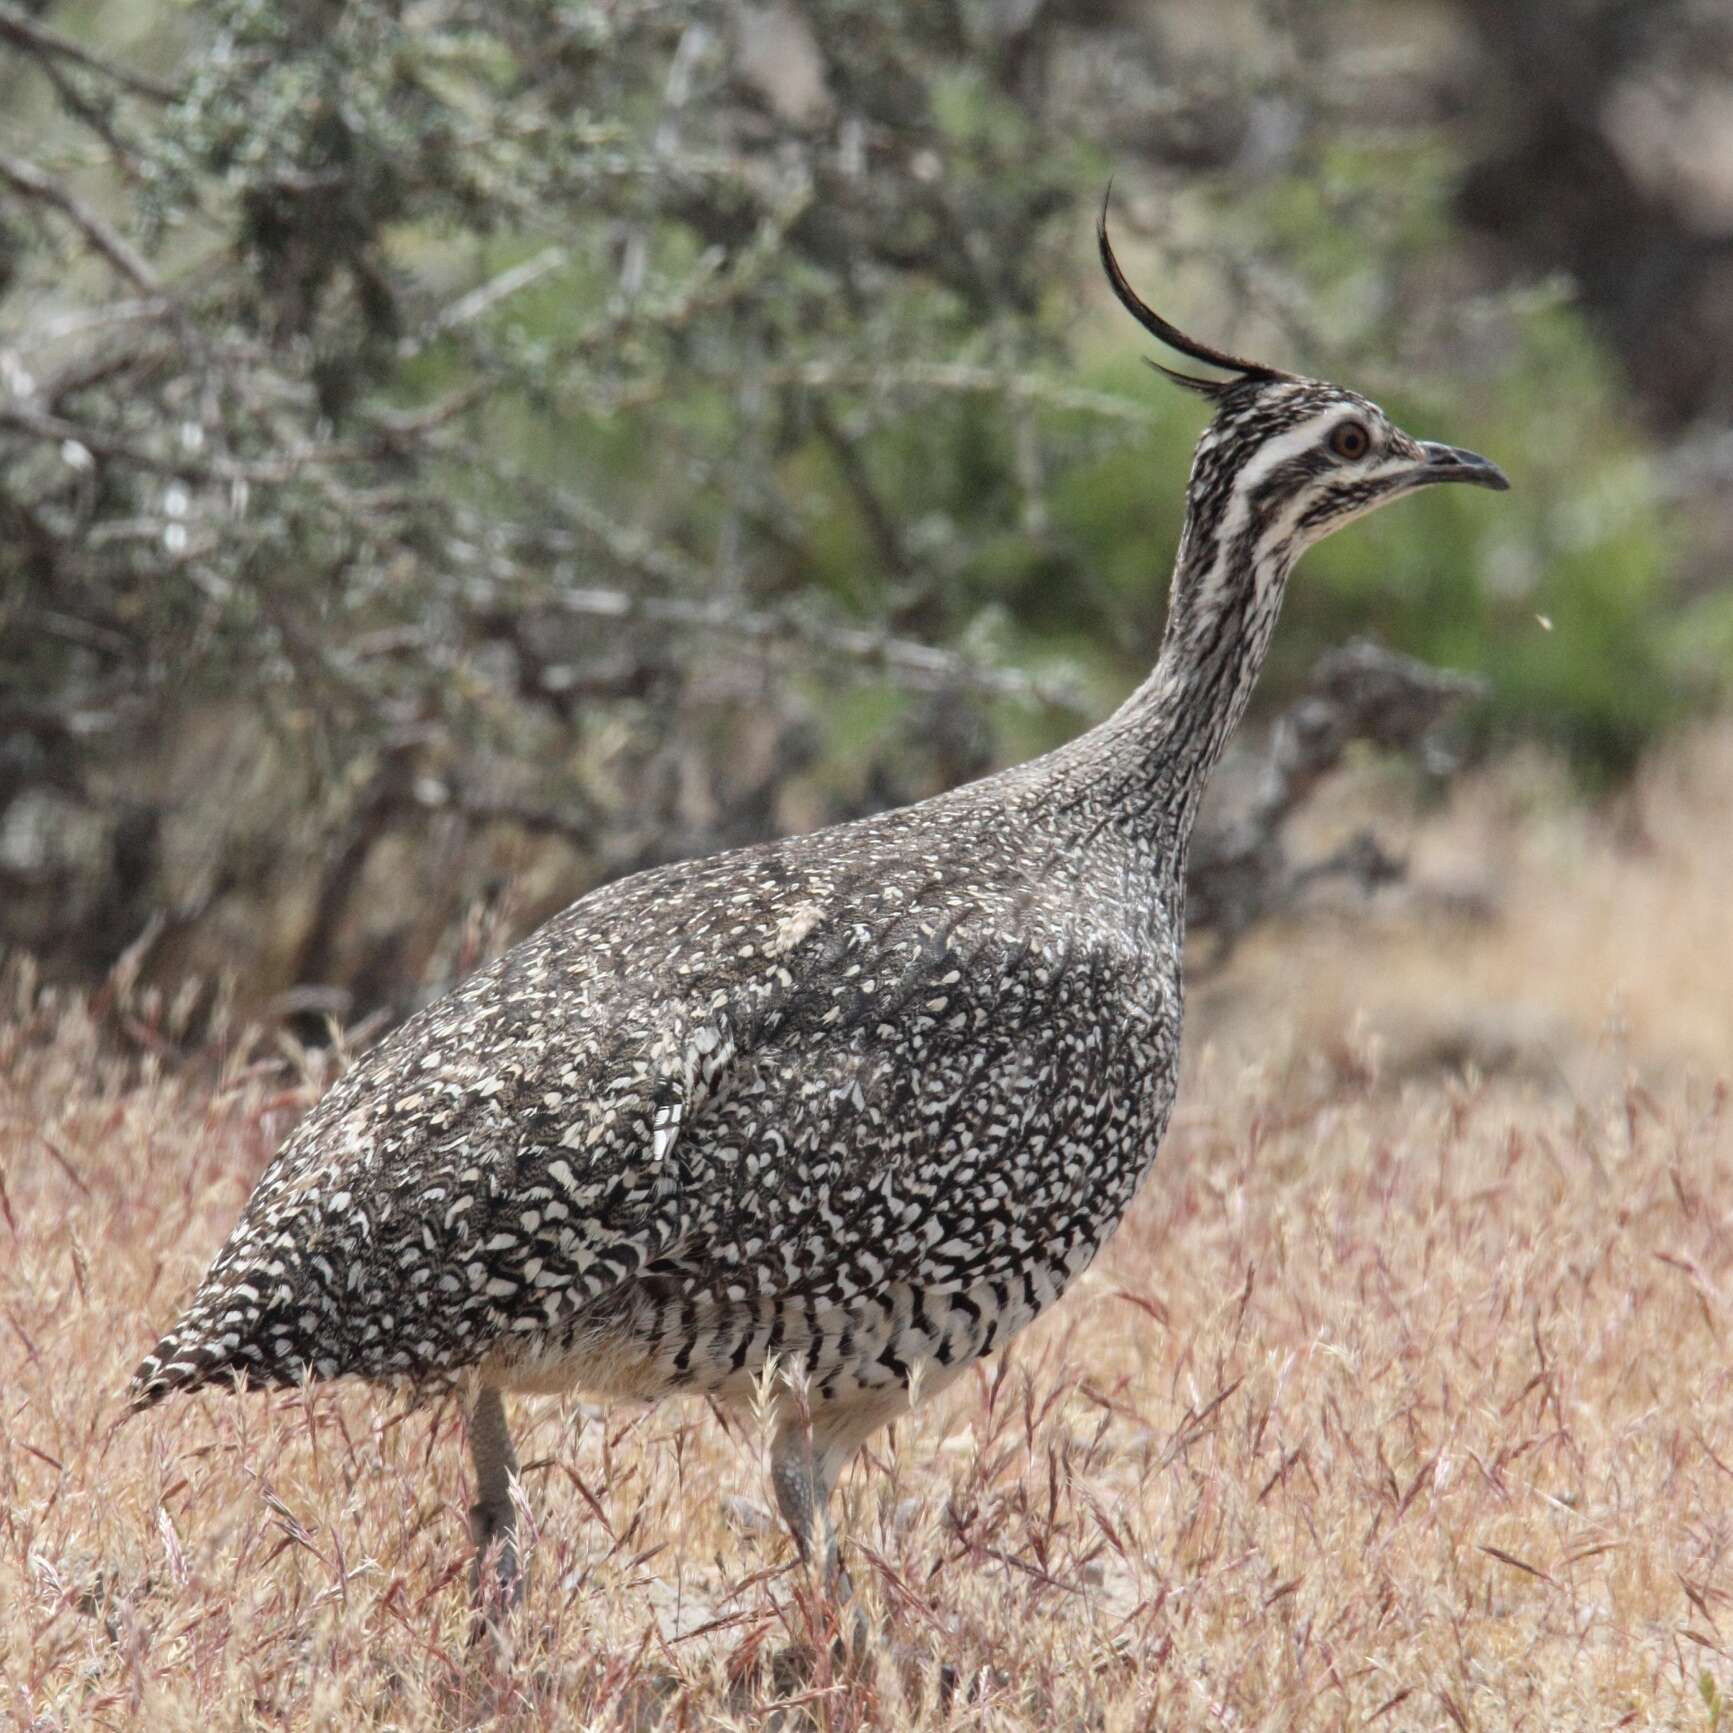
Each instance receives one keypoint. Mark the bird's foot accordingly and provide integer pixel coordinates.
(496, 1580)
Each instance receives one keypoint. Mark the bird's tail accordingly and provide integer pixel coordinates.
(206, 1347)
(185, 1358)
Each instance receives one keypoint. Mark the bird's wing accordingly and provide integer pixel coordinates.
(502, 1159)
(930, 1099)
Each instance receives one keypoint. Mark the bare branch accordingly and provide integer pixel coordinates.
(315, 461)
(23, 31)
(72, 433)
(483, 298)
(920, 665)
(953, 376)
(1239, 872)
(923, 666)
(26, 179)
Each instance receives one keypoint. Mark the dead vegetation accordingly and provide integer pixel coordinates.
(1401, 1401)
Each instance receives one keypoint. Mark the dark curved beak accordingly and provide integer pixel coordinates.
(1452, 463)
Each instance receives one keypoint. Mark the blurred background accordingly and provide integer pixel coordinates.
(453, 454)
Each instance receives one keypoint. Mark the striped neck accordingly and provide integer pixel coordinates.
(1170, 733)
(1144, 769)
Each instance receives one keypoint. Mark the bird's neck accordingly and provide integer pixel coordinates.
(1143, 771)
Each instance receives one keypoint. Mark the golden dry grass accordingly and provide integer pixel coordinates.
(1401, 1400)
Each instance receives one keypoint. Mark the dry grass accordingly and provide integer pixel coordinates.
(1401, 1401)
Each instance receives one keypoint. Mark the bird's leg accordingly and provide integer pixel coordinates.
(803, 1477)
(807, 1455)
(496, 1582)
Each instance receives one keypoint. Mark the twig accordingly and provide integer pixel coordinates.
(923, 665)
(28, 180)
(880, 521)
(75, 321)
(58, 429)
(1239, 872)
(483, 298)
(956, 376)
(23, 31)
(312, 461)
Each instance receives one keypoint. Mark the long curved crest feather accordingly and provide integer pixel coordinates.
(1171, 334)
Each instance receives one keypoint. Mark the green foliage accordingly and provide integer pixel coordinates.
(514, 406)
(1557, 596)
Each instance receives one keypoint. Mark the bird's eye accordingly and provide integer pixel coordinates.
(1351, 440)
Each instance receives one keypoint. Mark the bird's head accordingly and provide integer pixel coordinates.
(1299, 457)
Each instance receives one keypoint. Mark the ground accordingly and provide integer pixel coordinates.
(1400, 1400)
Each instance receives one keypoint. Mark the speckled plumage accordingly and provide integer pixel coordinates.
(860, 1100)
(863, 1102)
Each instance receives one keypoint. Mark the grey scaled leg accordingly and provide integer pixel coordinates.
(803, 1478)
(496, 1582)
(806, 1461)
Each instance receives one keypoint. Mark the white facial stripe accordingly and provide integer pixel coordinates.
(1313, 431)
(1393, 464)
(1281, 528)
(1270, 458)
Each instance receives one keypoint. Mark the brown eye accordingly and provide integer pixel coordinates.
(1351, 440)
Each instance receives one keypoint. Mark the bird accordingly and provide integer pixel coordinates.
(832, 1117)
